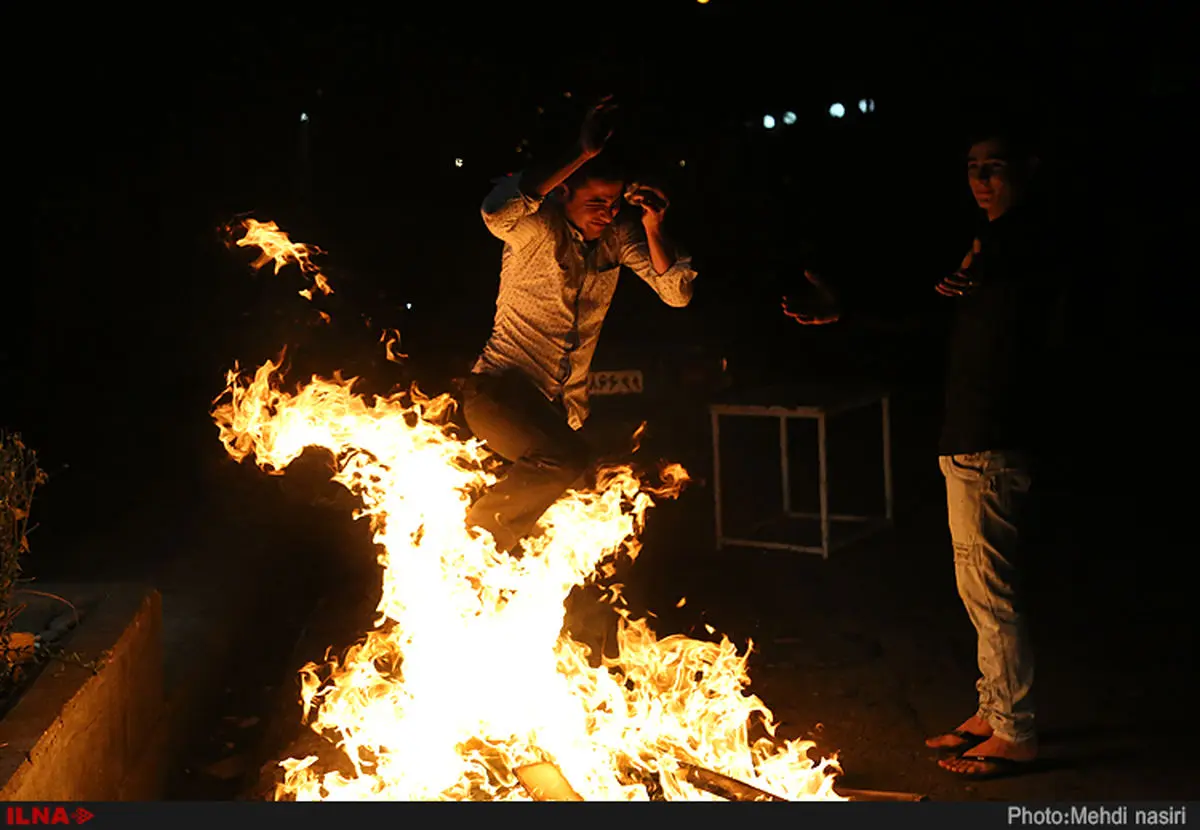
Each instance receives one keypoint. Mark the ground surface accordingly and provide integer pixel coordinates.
(867, 652)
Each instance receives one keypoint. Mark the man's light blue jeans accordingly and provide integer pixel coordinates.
(986, 494)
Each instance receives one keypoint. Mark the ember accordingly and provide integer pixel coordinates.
(467, 685)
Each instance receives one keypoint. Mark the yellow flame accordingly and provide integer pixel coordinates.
(468, 673)
(390, 338)
(637, 436)
(275, 246)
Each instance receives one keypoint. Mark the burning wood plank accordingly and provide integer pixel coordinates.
(545, 782)
(732, 789)
(728, 788)
(880, 795)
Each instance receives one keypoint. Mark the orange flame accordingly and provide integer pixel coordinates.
(275, 246)
(637, 436)
(468, 674)
(390, 339)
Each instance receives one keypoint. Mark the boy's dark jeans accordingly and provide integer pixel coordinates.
(518, 423)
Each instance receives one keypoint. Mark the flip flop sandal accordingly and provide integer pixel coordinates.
(969, 741)
(995, 767)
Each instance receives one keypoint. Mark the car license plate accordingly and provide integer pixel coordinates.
(626, 382)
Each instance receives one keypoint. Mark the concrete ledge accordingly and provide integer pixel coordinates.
(80, 734)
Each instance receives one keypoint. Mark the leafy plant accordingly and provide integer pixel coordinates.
(20, 476)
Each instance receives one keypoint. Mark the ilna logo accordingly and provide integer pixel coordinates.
(47, 815)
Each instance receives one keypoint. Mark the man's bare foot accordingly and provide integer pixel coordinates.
(993, 757)
(972, 731)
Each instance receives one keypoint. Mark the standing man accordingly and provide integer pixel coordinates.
(1007, 291)
(527, 396)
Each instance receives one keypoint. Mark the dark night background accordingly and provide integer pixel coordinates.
(138, 137)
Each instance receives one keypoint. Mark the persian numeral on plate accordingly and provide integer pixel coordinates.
(626, 382)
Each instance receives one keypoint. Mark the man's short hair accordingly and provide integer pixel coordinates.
(1016, 129)
(604, 167)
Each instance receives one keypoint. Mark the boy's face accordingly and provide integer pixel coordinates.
(592, 206)
(997, 180)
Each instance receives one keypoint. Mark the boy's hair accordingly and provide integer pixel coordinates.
(1016, 129)
(604, 167)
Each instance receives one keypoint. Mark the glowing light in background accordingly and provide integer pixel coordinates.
(769, 122)
(837, 110)
(458, 162)
(866, 105)
(683, 162)
(789, 118)
(303, 117)
(408, 306)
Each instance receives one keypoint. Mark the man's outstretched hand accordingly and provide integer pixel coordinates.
(966, 279)
(958, 284)
(809, 312)
(597, 127)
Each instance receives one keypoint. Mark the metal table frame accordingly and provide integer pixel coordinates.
(820, 413)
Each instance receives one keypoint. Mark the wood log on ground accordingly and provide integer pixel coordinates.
(545, 782)
(728, 788)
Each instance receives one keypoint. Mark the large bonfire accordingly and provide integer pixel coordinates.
(468, 674)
